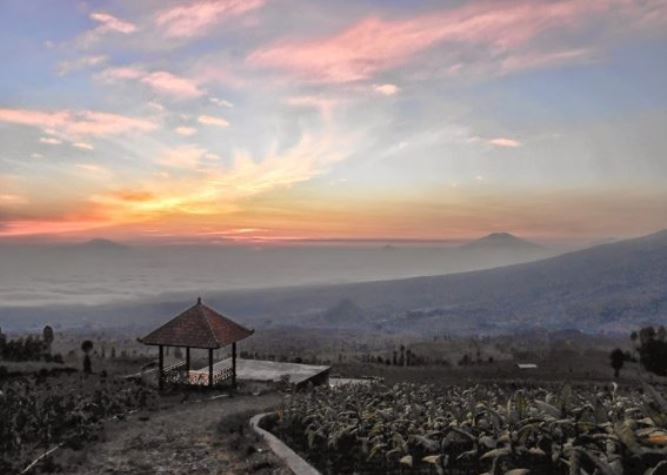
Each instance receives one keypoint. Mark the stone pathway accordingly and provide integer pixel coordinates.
(185, 438)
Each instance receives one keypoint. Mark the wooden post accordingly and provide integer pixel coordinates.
(234, 364)
(187, 365)
(210, 367)
(160, 373)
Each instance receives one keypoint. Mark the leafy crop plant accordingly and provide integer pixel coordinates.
(481, 429)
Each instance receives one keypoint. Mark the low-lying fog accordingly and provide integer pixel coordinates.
(104, 272)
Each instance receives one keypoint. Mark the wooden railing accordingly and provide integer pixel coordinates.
(174, 367)
(172, 375)
(222, 375)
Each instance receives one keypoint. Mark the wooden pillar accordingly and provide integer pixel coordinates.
(234, 364)
(160, 374)
(187, 365)
(210, 367)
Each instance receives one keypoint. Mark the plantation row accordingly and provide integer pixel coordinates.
(38, 413)
(481, 429)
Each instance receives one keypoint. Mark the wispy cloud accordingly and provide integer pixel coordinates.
(221, 102)
(310, 157)
(295, 90)
(199, 17)
(215, 191)
(185, 131)
(376, 44)
(122, 73)
(386, 89)
(111, 23)
(172, 85)
(67, 67)
(186, 156)
(93, 168)
(77, 123)
(83, 146)
(211, 120)
(107, 23)
(325, 105)
(504, 142)
(50, 141)
(162, 82)
(532, 60)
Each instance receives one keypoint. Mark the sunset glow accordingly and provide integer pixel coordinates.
(277, 120)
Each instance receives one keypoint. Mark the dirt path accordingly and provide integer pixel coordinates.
(207, 437)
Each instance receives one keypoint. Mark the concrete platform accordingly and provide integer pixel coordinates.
(272, 371)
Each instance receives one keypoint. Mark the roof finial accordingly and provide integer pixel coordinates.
(198, 300)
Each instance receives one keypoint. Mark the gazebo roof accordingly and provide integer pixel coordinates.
(198, 327)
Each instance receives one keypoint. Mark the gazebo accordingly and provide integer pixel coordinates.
(198, 327)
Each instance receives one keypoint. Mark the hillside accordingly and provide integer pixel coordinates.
(607, 288)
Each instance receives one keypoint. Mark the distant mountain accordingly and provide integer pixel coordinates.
(502, 242)
(101, 245)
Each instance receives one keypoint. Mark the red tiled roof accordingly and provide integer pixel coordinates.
(198, 327)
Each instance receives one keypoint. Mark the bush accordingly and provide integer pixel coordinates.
(39, 412)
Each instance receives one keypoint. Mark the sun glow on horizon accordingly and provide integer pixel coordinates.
(179, 122)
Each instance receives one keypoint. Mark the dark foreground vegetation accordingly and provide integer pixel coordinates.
(411, 428)
(39, 412)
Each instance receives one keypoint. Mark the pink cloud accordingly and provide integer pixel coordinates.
(111, 23)
(536, 60)
(505, 142)
(376, 44)
(83, 146)
(211, 120)
(106, 24)
(77, 123)
(198, 17)
(122, 73)
(386, 89)
(170, 84)
(186, 131)
(162, 82)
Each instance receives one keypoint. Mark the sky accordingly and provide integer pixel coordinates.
(290, 120)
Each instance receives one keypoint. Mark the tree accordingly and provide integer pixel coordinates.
(47, 336)
(87, 347)
(617, 359)
(653, 351)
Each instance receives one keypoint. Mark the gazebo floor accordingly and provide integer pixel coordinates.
(266, 371)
